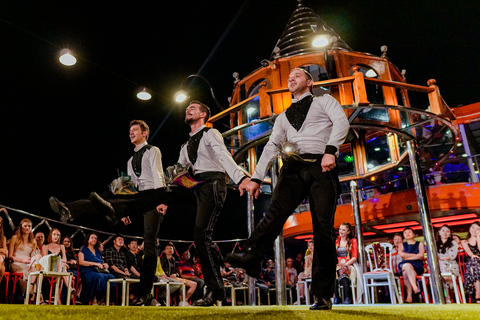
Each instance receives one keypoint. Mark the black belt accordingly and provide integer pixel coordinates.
(205, 176)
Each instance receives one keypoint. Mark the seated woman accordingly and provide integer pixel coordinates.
(24, 254)
(347, 255)
(396, 259)
(54, 247)
(3, 250)
(307, 273)
(72, 263)
(447, 255)
(412, 253)
(93, 271)
(472, 265)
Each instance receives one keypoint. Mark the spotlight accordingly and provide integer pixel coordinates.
(66, 58)
(144, 95)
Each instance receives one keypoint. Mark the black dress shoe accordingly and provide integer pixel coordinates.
(210, 298)
(419, 297)
(61, 209)
(104, 207)
(249, 261)
(321, 304)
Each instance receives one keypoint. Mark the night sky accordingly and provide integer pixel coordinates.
(66, 128)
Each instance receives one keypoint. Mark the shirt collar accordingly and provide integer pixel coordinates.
(302, 96)
(196, 131)
(140, 146)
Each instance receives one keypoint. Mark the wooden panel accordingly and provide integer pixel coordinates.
(444, 197)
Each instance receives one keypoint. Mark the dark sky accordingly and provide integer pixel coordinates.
(66, 128)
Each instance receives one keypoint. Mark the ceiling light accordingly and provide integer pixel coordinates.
(66, 58)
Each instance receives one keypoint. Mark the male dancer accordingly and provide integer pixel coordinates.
(205, 151)
(146, 170)
(316, 127)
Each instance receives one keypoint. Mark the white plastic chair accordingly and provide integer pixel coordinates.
(380, 274)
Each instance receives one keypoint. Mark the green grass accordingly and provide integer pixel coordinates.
(22, 312)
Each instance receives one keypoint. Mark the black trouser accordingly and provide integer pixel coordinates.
(347, 291)
(132, 205)
(297, 181)
(210, 198)
(151, 225)
(124, 205)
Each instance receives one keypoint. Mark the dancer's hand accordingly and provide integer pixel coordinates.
(328, 162)
(126, 221)
(253, 188)
(162, 209)
(243, 185)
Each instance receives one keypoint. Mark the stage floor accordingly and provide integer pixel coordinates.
(397, 312)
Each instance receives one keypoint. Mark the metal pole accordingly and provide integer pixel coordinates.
(279, 253)
(250, 227)
(466, 146)
(430, 245)
(358, 224)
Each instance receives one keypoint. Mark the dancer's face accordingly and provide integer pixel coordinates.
(193, 114)
(298, 82)
(137, 136)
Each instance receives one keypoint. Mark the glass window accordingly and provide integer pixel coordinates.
(346, 161)
(318, 73)
(376, 149)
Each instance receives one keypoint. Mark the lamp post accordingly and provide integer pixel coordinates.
(181, 95)
(325, 41)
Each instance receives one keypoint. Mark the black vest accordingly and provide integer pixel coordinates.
(297, 112)
(193, 143)
(137, 160)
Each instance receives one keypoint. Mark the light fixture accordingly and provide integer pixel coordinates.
(66, 58)
(371, 74)
(321, 41)
(400, 168)
(180, 96)
(144, 95)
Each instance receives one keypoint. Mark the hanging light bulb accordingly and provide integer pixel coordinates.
(144, 95)
(66, 58)
(181, 96)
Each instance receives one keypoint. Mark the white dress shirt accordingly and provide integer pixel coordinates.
(325, 125)
(213, 156)
(152, 169)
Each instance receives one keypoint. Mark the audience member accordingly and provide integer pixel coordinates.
(40, 240)
(396, 259)
(187, 271)
(447, 254)
(198, 267)
(72, 263)
(134, 259)
(291, 277)
(3, 250)
(54, 247)
(307, 273)
(170, 268)
(412, 253)
(115, 258)
(298, 263)
(23, 253)
(93, 271)
(472, 265)
(347, 255)
(459, 242)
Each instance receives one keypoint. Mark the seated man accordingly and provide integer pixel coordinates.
(187, 271)
(169, 266)
(116, 259)
(455, 171)
(134, 260)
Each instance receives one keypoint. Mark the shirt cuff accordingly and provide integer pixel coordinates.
(330, 149)
(257, 181)
(239, 182)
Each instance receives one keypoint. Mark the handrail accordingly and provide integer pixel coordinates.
(233, 108)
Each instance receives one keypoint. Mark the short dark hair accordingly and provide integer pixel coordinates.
(132, 240)
(143, 125)
(118, 236)
(203, 108)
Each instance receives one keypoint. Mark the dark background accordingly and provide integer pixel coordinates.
(65, 129)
